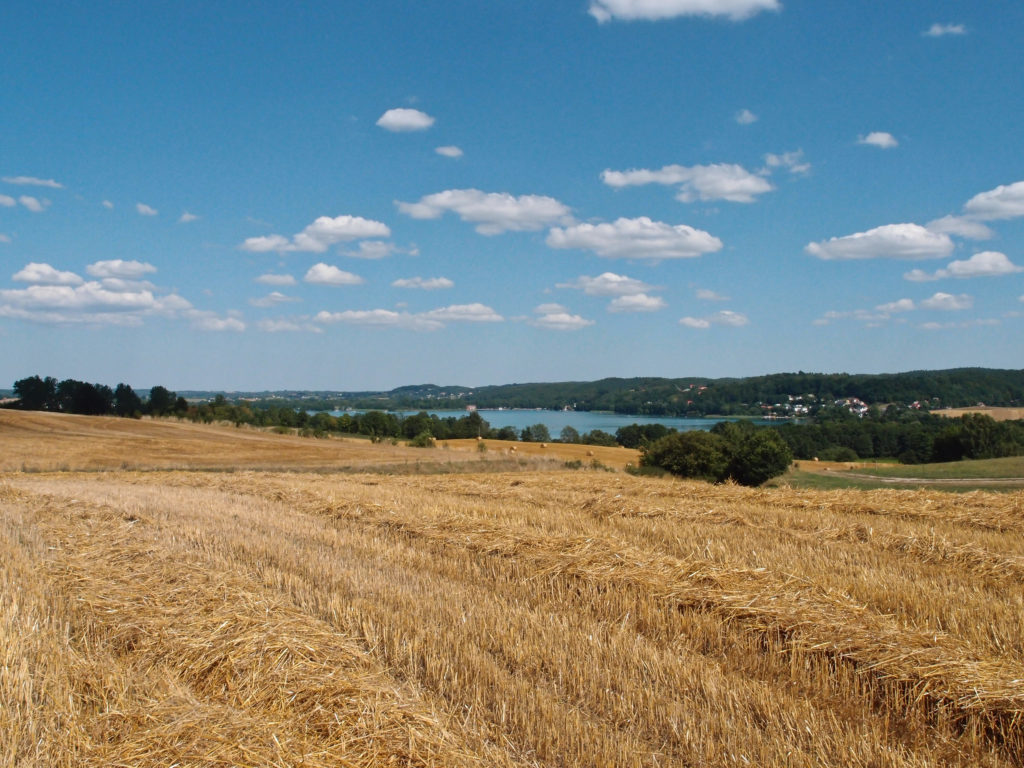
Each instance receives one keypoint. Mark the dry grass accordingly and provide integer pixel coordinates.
(516, 619)
(999, 414)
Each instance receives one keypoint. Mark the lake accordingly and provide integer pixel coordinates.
(581, 421)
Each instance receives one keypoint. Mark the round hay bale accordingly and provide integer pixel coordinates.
(543, 445)
(590, 453)
(478, 438)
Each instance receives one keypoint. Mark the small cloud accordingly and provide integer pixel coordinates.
(425, 284)
(639, 238)
(186, 217)
(792, 161)
(211, 321)
(129, 270)
(1004, 202)
(4, 238)
(286, 325)
(492, 212)
(374, 249)
(272, 279)
(746, 117)
(708, 295)
(656, 10)
(942, 30)
(550, 309)
(719, 181)
(325, 274)
(403, 120)
(895, 241)
(272, 299)
(726, 317)
(555, 317)
(466, 313)
(381, 318)
(984, 264)
(34, 204)
(44, 274)
(449, 151)
(319, 236)
(637, 302)
(108, 205)
(879, 139)
(608, 284)
(145, 210)
(961, 226)
(32, 181)
(947, 302)
(7, 201)
(901, 305)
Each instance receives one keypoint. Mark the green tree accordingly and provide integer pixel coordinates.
(759, 456)
(694, 454)
(126, 402)
(161, 401)
(538, 433)
(36, 394)
(569, 434)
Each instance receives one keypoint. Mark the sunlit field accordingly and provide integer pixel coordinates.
(190, 610)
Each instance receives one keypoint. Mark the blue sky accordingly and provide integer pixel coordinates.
(229, 195)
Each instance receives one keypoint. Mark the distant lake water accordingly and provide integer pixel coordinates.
(581, 421)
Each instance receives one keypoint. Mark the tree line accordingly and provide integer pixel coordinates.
(909, 435)
(72, 396)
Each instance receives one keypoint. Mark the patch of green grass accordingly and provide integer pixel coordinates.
(862, 479)
(1012, 467)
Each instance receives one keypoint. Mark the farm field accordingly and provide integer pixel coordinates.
(999, 414)
(1006, 474)
(536, 617)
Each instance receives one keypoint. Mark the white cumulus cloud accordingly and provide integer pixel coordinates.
(465, 313)
(726, 317)
(7, 201)
(636, 302)
(32, 181)
(449, 151)
(128, 270)
(326, 274)
(383, 318)
(746, 117)
(654, 10)
(272, 279)
(942, 30)
(145, 210)
(319, 236)
(34, 204)
(210, 321)
(720, 181)
(984, 264)
(894, 241)
(492, 212)
(44, 274)
(948, 302)
(187, 217)
(705, 294)
(287, 325)
(403, 120)
(272, 299)
(639, 238)
(423, 283)
(880, 139)
(555, 317)
(608, 284)
(1003, 202)
(961, 226)
(792, 161)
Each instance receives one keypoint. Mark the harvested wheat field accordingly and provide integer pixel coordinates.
(529, 618)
